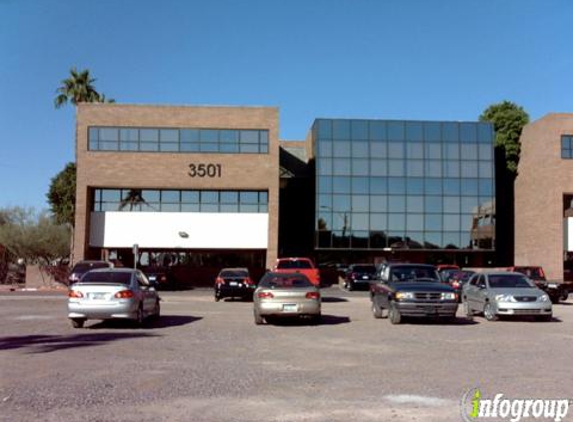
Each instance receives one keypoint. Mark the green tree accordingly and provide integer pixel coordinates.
(78, 88)
(62, 195)
(508, 121)
(34, 237)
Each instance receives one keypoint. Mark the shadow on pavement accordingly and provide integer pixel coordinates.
(165, 321)
(439, 321)
(296, 322)
(333, 299)
(53, 343)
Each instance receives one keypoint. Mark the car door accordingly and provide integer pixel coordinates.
(481, 293)
(147, 293)
(470, 291)
(381, 290)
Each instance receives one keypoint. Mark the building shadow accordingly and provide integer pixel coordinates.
(53, 343)
(164, 321)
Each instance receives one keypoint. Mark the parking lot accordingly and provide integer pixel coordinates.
(207, 361)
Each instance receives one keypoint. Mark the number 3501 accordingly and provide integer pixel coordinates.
(204, 170)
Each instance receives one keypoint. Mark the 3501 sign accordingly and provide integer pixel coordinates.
(204, 170)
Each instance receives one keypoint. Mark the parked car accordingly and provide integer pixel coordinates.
(82, 267)
(556, 290)
(446, 270)
(286, 295)
(359, 276)
(501, 293)
(160, 277)
(457, 279)
(299, 265)
(412, 290)
(234, 282)
(112, 293)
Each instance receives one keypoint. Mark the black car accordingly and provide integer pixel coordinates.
(160, 277)
(82, 267)
(234, 282)
(412, 290)
(359, 276)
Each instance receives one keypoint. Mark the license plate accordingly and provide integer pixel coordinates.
(233, 283)
(365, 277)
(291, 307)
(431, 310)
(97, 296)
(552, 286)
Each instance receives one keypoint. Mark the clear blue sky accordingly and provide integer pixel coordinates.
(406, 59)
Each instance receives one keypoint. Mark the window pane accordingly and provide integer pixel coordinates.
(210, 197)
(452, 169)
(396, 131)
(396, 185)
(433, 203)
(397, 222)
(452, 151)
(360, 222)
(341, 203)
(249, 148)
(379, 203)
(433, 168)
(325, 148)
(229, 197)
(189, 135)
(359, 129)
(469, 187)
(190, 197)
(324, 184)
(378, 185)
(450, 132)
(451, 222)
(485, 152)
(227, 148)
(486, 187)
(129, 135)
(378, 131)
(413, 131)
(229, 207)
(189, 147)
(169, 147)
(360, 203)
(433, 186)
(395, 150)
(486, 169)
(249, 137)
(415, 204)
(341, 129)
(451, 204)
(324, 128)
(360, 149)
(170, 196)
(396, 167)
(341, 166)
(229, 136)
(149, 135)
(341, 184)
(432, 131)
(378, 168)
(415, 168)
(469, 203)
(325, 166)
(378, 150)
(469, 169)
(93, 134)
(468, 132)
(415, 185)
(341, 149)
(415, 222)
(360, 185)
(451, 186)
(469, 151)
(210, 147)
(378, 222)
(148, 146)
(451, 240)
(433, 222)
(249, 197)
(360, 167)
(485, 133)
(108, 134)
(263, 197)
(397, 203)
(169, 135)
(434, 151)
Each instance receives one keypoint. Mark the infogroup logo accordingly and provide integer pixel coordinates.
(474, 407)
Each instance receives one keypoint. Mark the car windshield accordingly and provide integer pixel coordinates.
(86, 266)
(234, 273)
(278, 281)
(462, 276)
(371, 269)
(534, 273)
(508, 281)
(112, 277)
(288, 264)
(411, 273)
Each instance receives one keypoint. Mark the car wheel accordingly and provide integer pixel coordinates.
(376, 310)
(488, 313)
(157, 310)
(350, 286)
(394, 314)
(258, 318)
(564, 296)
(217, 298)
(469, 314)
(78, 322)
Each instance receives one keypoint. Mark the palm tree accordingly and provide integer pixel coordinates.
(78, 88)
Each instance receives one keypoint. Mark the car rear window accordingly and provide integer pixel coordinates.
(111, 277)
(364, 269)
(230, 273)
(534, 273)
(289, 264)
(508, 281)
(85, 267)
(273, 282)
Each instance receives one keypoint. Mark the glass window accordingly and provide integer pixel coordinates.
(397, 203)
(93, 133)
(325, 202)
(360, 203)
(189, 135)
(451, 222)
(324, 166)
(469, 168)
(129, 135)
(468, 204)
(396, 131)
(486, 187)
(166, 207)
(263, 197)
(214, 147)
(378, 185)
(378, 221)
(486, 169)
(378, 131)
(324, 128)
(171, 147)
(433, 204)
(151, 196)
(128, 146)
(360, 149)
(247, 197)
(433, 168)
(360, 185)
(415, 203)
(452, 168)
(415, 185)
(341, 184)
(485, 133)
(170, 196)
(360, 222)
(434, 151)
(227, 148)
(169, 135)
(360, 167)
(485, 152)
(469, 151)
(229, 207)
(229, 136)
(212, 197)
(190, 197)
(397, 222)
(468, 132)
(433, 222)
(415, 168)
(108, 134)
(378, 150)
(450, 132)
(395, 150)
(396, 185)
(324, 221)
(415, 222)
(149, 135)
(451, 186)
(379, 203)
(433, 186)
(451, 240)
(359, 129)
(432, 131)
(341, 129)
(189, 147)
(148, 146)
(341, 149)
(325, 184)
(451, 204)
(264, 137)
(247, 148)
(414, 131)
(378, 168)
(452, 151)
(229, 197)
(341, 203)
(341, 166)
(432, 240)
(415, 150)
(469, 187)
(249, 137)
(396, 167)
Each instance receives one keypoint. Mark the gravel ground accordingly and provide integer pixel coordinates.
(207, 361)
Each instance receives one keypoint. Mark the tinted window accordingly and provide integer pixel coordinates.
(294, 264)
(113, 277)
(508, 281)
(273, 281)
(234, 273)
(412, 273)
(86, 266)
(364, 269)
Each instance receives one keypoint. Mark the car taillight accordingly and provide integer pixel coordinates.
(313, 295)
(124, 294)
(219, 280)
(75, 293)
(353, 275)
(163, 279)
(248, 281)
(541, 273)
(455, 284)
(265, 295)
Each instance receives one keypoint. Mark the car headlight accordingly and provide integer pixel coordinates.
(504, 298)
(404, 295)
(543, 298)
(449, 296)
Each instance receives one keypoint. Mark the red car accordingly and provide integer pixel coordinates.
(298, 265)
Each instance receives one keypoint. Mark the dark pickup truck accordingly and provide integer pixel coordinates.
(412, 290)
